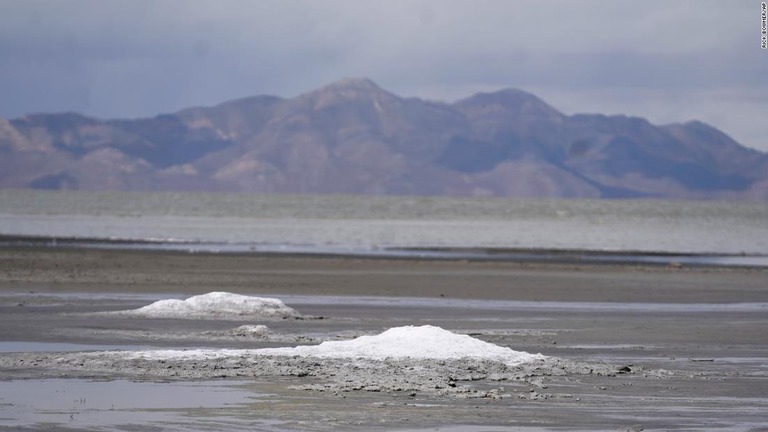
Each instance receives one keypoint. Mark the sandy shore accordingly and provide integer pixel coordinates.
(668, 347)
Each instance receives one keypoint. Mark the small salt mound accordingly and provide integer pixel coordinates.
(251, 330)
(425, 342)
(217, 305)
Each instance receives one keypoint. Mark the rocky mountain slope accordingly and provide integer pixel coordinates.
(354, 137)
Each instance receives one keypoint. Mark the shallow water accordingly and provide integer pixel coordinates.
(115, 405)
(18, 347)
(345, 224)
(515, 305)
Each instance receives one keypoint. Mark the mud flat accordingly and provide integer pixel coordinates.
(625, 347)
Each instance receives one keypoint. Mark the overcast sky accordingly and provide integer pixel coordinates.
(668, 61)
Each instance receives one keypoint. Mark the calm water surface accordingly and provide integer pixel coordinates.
(354, 223)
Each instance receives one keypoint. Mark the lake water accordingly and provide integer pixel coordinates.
(726, 232)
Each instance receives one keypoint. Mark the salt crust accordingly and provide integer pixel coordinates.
(409, 342)
(216, 305)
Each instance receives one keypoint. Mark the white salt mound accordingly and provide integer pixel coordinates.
(425, 342)
(217, 305)
(399, 343)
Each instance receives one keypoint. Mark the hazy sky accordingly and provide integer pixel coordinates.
(666, 60)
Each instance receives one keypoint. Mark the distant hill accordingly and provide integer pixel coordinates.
(354, 137)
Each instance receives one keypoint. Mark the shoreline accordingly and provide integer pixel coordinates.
(478, 254)
(62, 269)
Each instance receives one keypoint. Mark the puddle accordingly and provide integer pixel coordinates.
(612, 347)
(92, 296)
(25, 347)
(112, 405)
(515, 305)
(756, 361)
(474, 428)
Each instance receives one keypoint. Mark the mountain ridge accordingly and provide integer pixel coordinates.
(352, 136)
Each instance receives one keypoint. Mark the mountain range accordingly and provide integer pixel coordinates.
(354, 137)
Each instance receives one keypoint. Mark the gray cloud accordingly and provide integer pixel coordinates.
(668, 61)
